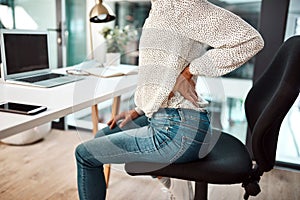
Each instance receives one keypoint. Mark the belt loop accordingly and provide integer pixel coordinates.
(208, 115)
(181, 114)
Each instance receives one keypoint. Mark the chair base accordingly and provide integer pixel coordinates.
(201, 189)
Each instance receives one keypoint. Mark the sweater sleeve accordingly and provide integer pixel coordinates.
(232, 40)
(139, 111)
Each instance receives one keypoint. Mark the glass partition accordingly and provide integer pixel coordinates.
(76, 37)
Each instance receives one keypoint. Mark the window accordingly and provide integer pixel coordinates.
(288, 150)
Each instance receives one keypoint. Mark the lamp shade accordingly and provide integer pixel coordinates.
(100, 14)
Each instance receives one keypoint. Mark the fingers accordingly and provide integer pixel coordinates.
(110, 121)
(187, 88)
(194, 99)
(131, 115)
(193, 83)
(126, 116)
(125, 121)
(171, 95)
(113, 122)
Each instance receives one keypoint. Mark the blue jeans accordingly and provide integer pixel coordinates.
(170, 136)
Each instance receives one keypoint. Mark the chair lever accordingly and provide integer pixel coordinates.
(251, 186)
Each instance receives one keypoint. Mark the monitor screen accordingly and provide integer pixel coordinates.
(25, 52)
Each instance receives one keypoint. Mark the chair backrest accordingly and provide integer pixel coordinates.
(270, 99)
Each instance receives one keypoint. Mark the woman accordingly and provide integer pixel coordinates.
(180, 41)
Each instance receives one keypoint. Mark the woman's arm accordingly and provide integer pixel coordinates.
(232, 40)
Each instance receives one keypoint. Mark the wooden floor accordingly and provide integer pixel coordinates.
(47, 170)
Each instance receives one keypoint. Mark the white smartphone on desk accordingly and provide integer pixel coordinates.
(20, 108)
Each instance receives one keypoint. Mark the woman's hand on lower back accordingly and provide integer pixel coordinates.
(125, 116)
(186, 86)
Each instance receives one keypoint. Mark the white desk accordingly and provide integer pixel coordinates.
(60, 101)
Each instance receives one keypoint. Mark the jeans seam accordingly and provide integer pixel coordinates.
(182, 147)
(181, 115)
(135, 152)
(179, 153)
(81, 183)
(124, 153)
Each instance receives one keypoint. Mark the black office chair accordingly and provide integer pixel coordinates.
(229, 162)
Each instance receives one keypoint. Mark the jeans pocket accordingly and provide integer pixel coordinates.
(189, 150)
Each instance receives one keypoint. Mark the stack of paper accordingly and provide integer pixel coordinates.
(113, 71)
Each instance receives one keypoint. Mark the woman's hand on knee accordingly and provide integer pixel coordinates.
(125, 116)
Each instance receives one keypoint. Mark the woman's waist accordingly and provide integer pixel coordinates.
(180, 114)
(178, 101)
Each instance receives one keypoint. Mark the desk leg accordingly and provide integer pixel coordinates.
(95, 118)
(115, 106)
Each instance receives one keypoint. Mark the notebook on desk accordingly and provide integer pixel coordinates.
(25, 59)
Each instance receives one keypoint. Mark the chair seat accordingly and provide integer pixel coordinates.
(229, 162)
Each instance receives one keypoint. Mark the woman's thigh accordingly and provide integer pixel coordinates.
(134, 145)
(165, 140)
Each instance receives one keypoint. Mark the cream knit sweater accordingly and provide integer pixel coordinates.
(178, 33)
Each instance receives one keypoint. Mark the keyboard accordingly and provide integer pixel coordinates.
(43, 77)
